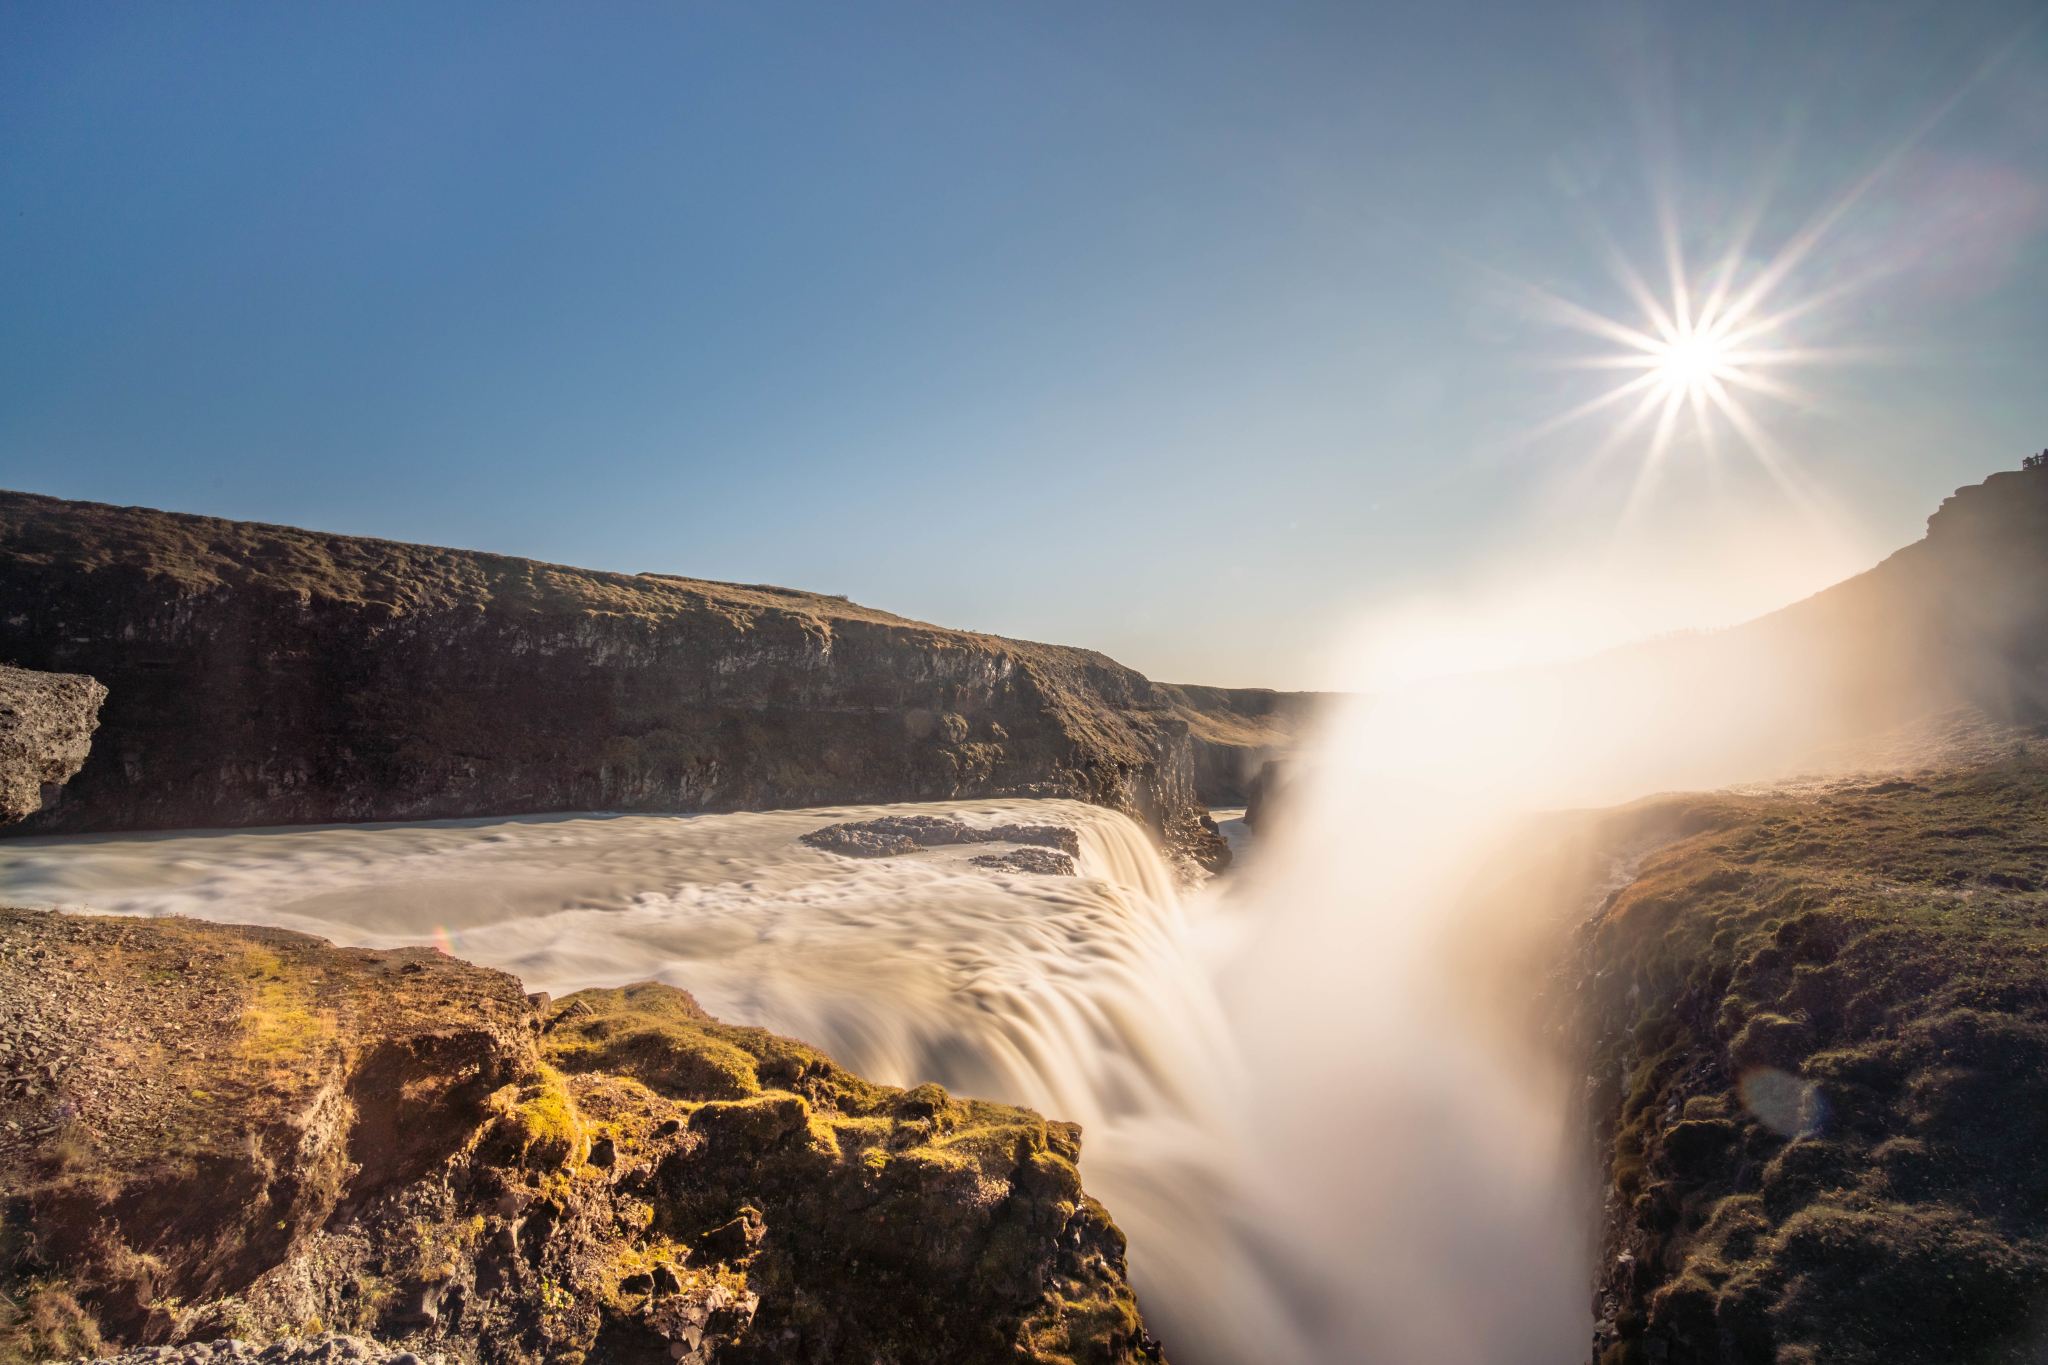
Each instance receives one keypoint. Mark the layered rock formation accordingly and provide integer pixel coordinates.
(211, 1131)
(46, 725)
(266, 675)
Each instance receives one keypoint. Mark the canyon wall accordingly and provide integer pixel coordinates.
(1814, 1035)
(1235, 731)
(262, 675)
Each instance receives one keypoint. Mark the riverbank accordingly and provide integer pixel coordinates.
(215, 1130)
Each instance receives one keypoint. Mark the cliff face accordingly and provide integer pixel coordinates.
(266, 675)
(1957, 618)
(46, 725)
(211, 1131)
(1816, 1042)
(1236, 731)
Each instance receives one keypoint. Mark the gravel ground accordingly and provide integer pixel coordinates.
(329, 1348)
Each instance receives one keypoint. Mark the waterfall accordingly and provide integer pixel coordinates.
(1088, 998)
(1298, 1095)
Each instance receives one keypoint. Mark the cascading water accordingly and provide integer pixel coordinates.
(1087, 998)
(1296, 1099)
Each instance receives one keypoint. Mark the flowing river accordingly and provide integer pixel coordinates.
(1089, 998)
(1303, 1088)
(1312, 1090)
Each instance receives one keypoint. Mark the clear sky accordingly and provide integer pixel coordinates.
(1218, 337)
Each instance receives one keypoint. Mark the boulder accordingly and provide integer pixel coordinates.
(46, 725)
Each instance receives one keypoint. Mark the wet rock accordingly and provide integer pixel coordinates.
(1044, 861)
(892, 835)
(852, 841)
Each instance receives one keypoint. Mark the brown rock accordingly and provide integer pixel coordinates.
(46, 726)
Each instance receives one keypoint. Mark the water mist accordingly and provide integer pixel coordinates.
(1308, 1090)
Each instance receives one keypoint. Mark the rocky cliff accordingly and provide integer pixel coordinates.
(1809, 1021)
(266, 675)
(224, 1132)
(46, 725)
(1815, 1034)
(1960, 617)
(1235, 731)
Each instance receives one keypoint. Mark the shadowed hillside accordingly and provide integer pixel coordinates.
(1959, 618)
(1236, 730)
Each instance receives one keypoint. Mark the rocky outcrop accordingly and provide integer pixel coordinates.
(892, 835)
(267, 675)
(1268, 794)
(46, 725)
(214, 1132)
(1815, 1043)
(1043, 862)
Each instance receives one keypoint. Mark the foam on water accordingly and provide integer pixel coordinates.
(1087, 998)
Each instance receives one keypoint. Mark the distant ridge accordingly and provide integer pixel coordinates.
(265, 674)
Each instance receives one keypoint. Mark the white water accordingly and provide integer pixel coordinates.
(1298, 1097)
(1088, 998)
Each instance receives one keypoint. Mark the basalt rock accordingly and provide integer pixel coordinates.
(1044, 862)
(223, 1133)
(46, 725)
(266, 675)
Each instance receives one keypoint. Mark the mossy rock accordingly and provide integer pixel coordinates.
(1820, 1032)
(538, 1125)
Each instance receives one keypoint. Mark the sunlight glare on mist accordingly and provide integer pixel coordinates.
(1555, 603)
(1393, 1045)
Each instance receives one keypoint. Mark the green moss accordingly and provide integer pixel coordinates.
(660, 1036)
(937, 1227)
(1827, 1029)
(539, 1122)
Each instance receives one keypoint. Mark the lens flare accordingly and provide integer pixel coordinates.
(1700, 353)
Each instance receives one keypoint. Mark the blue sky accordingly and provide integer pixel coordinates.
(1200, 334)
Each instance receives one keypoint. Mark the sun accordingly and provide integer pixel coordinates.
(1691, 361)
(1699, 356)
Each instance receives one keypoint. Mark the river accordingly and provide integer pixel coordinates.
(1297, 1095)
(1088, 998)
